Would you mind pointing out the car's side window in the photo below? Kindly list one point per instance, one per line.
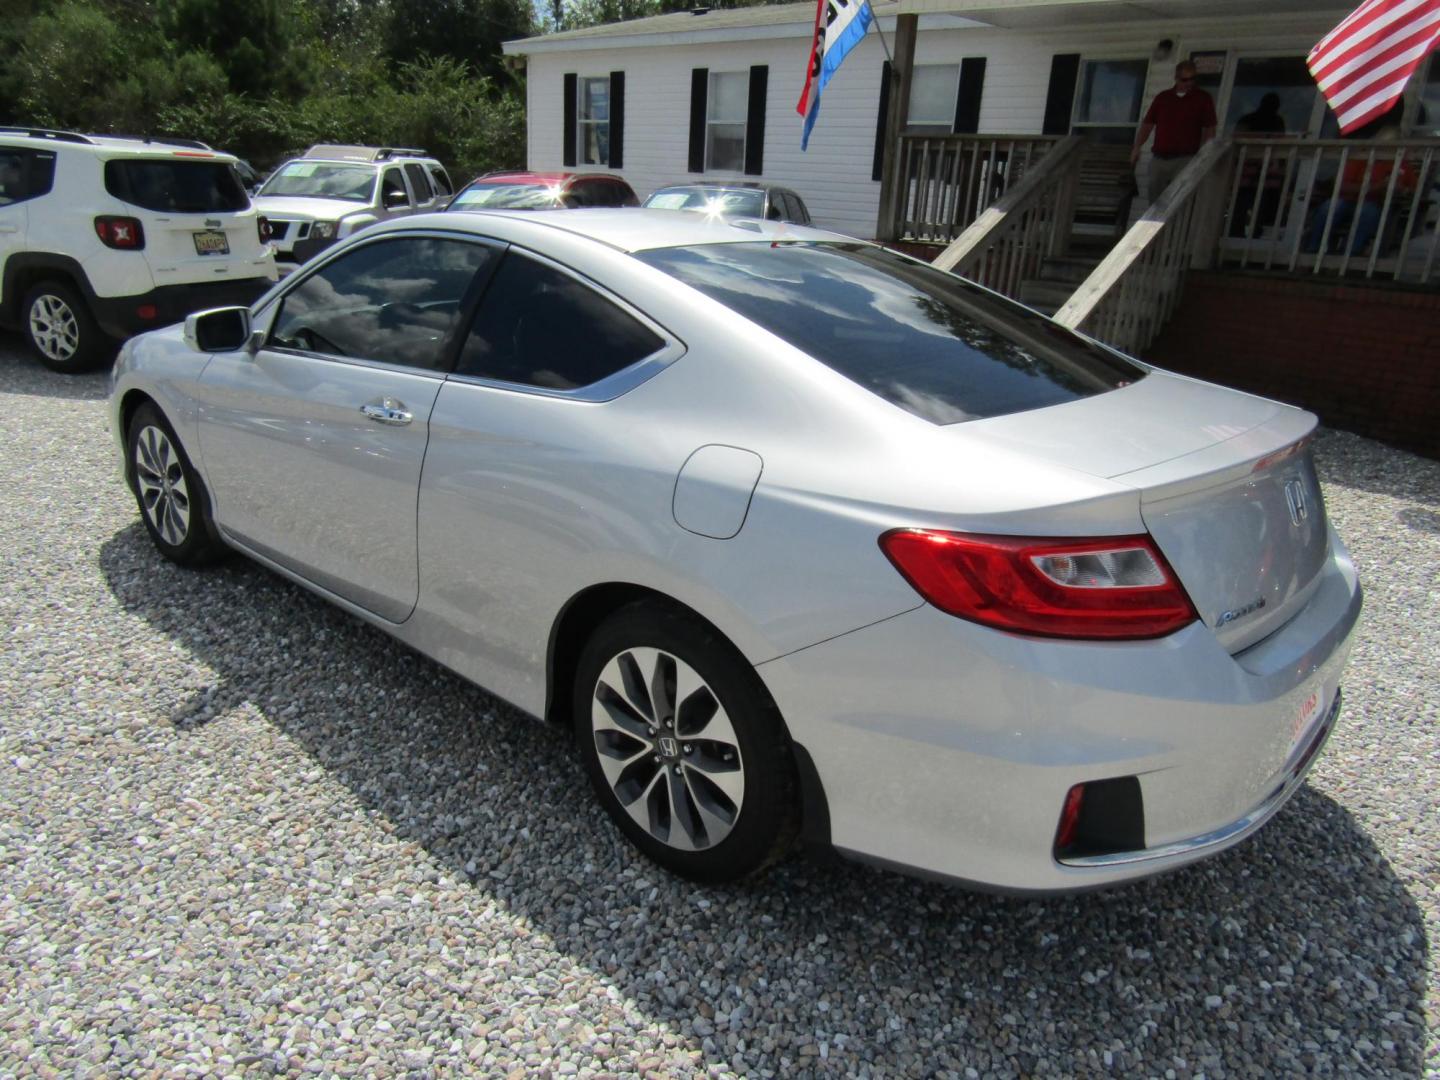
(539, 326)
(392, 181)
(440, 180)
(802, 214)
(25, 174)
(578, 195)
(419, 182)
(395, 301)
(777, 211)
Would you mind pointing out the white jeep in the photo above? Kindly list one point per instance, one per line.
(103, 236)
(333, 191)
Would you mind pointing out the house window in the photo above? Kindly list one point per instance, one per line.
(932, 98)
(728, 104)
(593, 120)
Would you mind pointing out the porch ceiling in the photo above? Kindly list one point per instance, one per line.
(1033, 14)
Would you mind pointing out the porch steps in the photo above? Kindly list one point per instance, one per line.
(1060, 277)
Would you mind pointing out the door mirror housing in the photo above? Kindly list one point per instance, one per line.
(218, 330)
(395, 199)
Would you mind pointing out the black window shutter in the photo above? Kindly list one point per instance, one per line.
(755, 120)
(571, 94)
(879, 165)
(699, 89)
(967, 100)
(1060, 98)
(617, 120)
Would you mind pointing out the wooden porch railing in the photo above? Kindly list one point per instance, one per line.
(1335, 207)
(1130, 296)
(946, 181)
(1008, 241)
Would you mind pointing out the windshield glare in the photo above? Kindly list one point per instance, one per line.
(719, 201)
(503, 196)
(936, 346)
(322, 180)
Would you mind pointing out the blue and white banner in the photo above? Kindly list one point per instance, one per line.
(839, 26)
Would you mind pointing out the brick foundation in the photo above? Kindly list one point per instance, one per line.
(1365, 358)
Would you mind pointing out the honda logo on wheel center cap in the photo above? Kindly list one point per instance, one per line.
(668, 746)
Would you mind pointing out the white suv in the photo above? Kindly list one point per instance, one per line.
(333, 191)
(103, 236)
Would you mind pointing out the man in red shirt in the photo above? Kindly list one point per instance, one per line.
(1182, 119)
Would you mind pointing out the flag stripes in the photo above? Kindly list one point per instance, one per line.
(1362, 65)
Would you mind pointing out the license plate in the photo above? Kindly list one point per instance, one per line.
(211, 243)
(1305, 713)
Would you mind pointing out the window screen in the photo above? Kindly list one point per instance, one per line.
(394, 301)
(921, 339)
(540, 327)
(727, 107)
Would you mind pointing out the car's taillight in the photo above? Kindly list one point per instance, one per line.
(125, 233)
(1110, 587)
(262, 223)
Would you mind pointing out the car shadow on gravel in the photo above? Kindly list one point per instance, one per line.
(1299, 950)
(22, 373)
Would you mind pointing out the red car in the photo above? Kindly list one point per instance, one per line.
(543, 191)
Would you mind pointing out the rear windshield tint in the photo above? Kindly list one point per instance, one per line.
(185, 187)
(924, 340)
(507, 196)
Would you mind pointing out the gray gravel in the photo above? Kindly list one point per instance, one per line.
(242, 833)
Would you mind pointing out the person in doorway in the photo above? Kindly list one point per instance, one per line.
(1182, 120)
(1264, 121)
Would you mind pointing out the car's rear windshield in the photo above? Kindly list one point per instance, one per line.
(726, 203)
(185, 187)
(506, 196)
(924, 340)
(322, 180)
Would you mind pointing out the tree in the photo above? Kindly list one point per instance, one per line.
(469, 31)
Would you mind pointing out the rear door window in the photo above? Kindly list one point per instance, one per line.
(419, 182)
(182, 187)
(924, 340)
(395, 301)
(25, 174)
(539, 326)
(440, 180)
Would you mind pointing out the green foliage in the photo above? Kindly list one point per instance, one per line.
(267, 78)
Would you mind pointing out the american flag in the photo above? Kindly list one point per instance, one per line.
(1363, 64)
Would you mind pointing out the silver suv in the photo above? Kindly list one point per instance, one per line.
(333, 191)
(102, 236)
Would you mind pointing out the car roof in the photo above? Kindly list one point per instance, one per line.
(626, 229)
(132, 145)
(720, 185)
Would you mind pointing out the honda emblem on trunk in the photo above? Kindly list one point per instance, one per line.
(1295, 499)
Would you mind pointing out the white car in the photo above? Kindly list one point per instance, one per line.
(798, 534)
(334, 191)
(102, 237)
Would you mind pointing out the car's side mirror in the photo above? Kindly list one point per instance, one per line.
(394, 199)
(218, 330)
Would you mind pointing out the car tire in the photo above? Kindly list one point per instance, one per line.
(61, 330)
(172, 499)
(706, 785)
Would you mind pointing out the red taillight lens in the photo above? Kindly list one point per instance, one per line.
(1070, 817)
(263, 224)
(125, 233)
(1111, 587)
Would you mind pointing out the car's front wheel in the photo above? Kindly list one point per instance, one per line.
(683, 746)
(61, 330)
(168, 491)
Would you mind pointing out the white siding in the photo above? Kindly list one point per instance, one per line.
(834, 175)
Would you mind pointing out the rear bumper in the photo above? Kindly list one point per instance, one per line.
(947, 749)
(122, 317)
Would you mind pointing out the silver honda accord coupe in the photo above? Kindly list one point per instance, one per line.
(804, 538)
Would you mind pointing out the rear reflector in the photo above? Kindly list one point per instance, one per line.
(124, 233)
(1070, 817)
(1114, 587)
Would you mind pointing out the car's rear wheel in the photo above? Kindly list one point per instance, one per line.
(683, 746)
(61, 330)
(168, 491)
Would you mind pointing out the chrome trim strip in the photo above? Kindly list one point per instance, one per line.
(1196, 845)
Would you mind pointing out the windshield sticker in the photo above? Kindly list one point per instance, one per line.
(668, 201)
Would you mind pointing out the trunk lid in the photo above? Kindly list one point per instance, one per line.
(187, 248)
(1227, 489)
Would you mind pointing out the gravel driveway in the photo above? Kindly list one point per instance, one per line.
(243, 833)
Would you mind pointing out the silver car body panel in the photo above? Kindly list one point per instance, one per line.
(942, 746)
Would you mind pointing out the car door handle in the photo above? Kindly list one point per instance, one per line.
(387, 411)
